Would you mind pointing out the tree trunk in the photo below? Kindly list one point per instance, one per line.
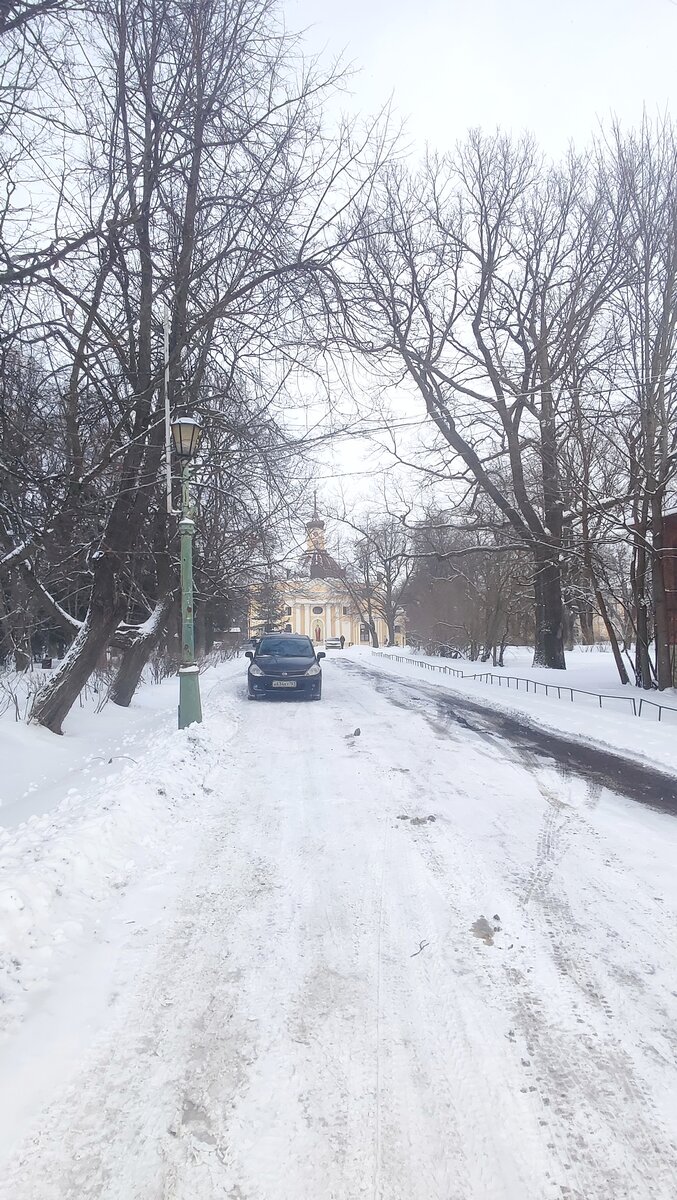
(104, 612)
(568, 624)
(22, 660)
(550, 616)
(136, 656)
(601, 605)
(643, 672)
(55, 700)
(130, 670)
(549, 639)
(613, 640)
(660, 603)
(374, 635)
(18, 628)
(604, 612)
(586, 616)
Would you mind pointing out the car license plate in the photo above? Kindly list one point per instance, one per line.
(284, 683)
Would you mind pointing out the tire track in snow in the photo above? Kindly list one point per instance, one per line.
(639, 781)
(593, 1048)
(423, 1148)
(488, 1100)
(449, 1028)
(422, 1153)
(603, 1066)
(379, 976)
(489, 1171)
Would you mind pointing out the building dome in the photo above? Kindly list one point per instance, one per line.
(317, 561)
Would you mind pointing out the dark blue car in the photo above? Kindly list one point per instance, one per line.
(284, 664)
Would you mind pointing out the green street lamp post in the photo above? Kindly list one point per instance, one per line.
(186, 434)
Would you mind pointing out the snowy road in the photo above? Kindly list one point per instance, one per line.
(600, 766)
(412, 964)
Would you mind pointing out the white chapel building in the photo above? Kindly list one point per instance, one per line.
(317, 603)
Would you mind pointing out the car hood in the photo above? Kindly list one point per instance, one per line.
(277, 664)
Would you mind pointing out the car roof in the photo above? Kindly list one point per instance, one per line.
(303, 636)
(284, 633)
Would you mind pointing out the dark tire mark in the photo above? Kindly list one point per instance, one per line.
(601, 768)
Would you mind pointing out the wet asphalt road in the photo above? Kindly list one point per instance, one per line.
(603, 768)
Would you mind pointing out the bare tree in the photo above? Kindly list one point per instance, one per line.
(481, 277)
(469, 592)
(224, 195)
(381, 567)
(640, 172)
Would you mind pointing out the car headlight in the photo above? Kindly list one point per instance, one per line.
(314, 670)
(254, 670)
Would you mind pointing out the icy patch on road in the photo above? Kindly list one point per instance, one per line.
(642, 738)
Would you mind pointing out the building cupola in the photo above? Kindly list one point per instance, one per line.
(315, 539)
(321, 565)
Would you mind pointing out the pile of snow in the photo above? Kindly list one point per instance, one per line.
(39, 769)
(100, 740)
(67, 868)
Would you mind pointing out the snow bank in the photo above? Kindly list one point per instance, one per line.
(63, 872)
(39, 769)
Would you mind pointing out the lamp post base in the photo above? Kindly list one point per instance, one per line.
(190, 706)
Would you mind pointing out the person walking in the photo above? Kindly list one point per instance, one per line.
(342, 641)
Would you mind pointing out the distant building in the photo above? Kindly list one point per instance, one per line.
(317, 602)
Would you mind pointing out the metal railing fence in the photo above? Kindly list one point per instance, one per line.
(563, 690)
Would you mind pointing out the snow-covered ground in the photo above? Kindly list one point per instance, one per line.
(590, 670)
(38, 769)
(277, 959)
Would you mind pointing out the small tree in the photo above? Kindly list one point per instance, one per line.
(267, 604)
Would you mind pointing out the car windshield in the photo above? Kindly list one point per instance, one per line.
(287, 647)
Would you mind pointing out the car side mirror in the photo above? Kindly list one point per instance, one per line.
(249, 654)
(320, 654)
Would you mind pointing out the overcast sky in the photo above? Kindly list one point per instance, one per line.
(554, 68)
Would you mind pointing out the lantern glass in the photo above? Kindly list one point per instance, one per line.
(186, 433)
